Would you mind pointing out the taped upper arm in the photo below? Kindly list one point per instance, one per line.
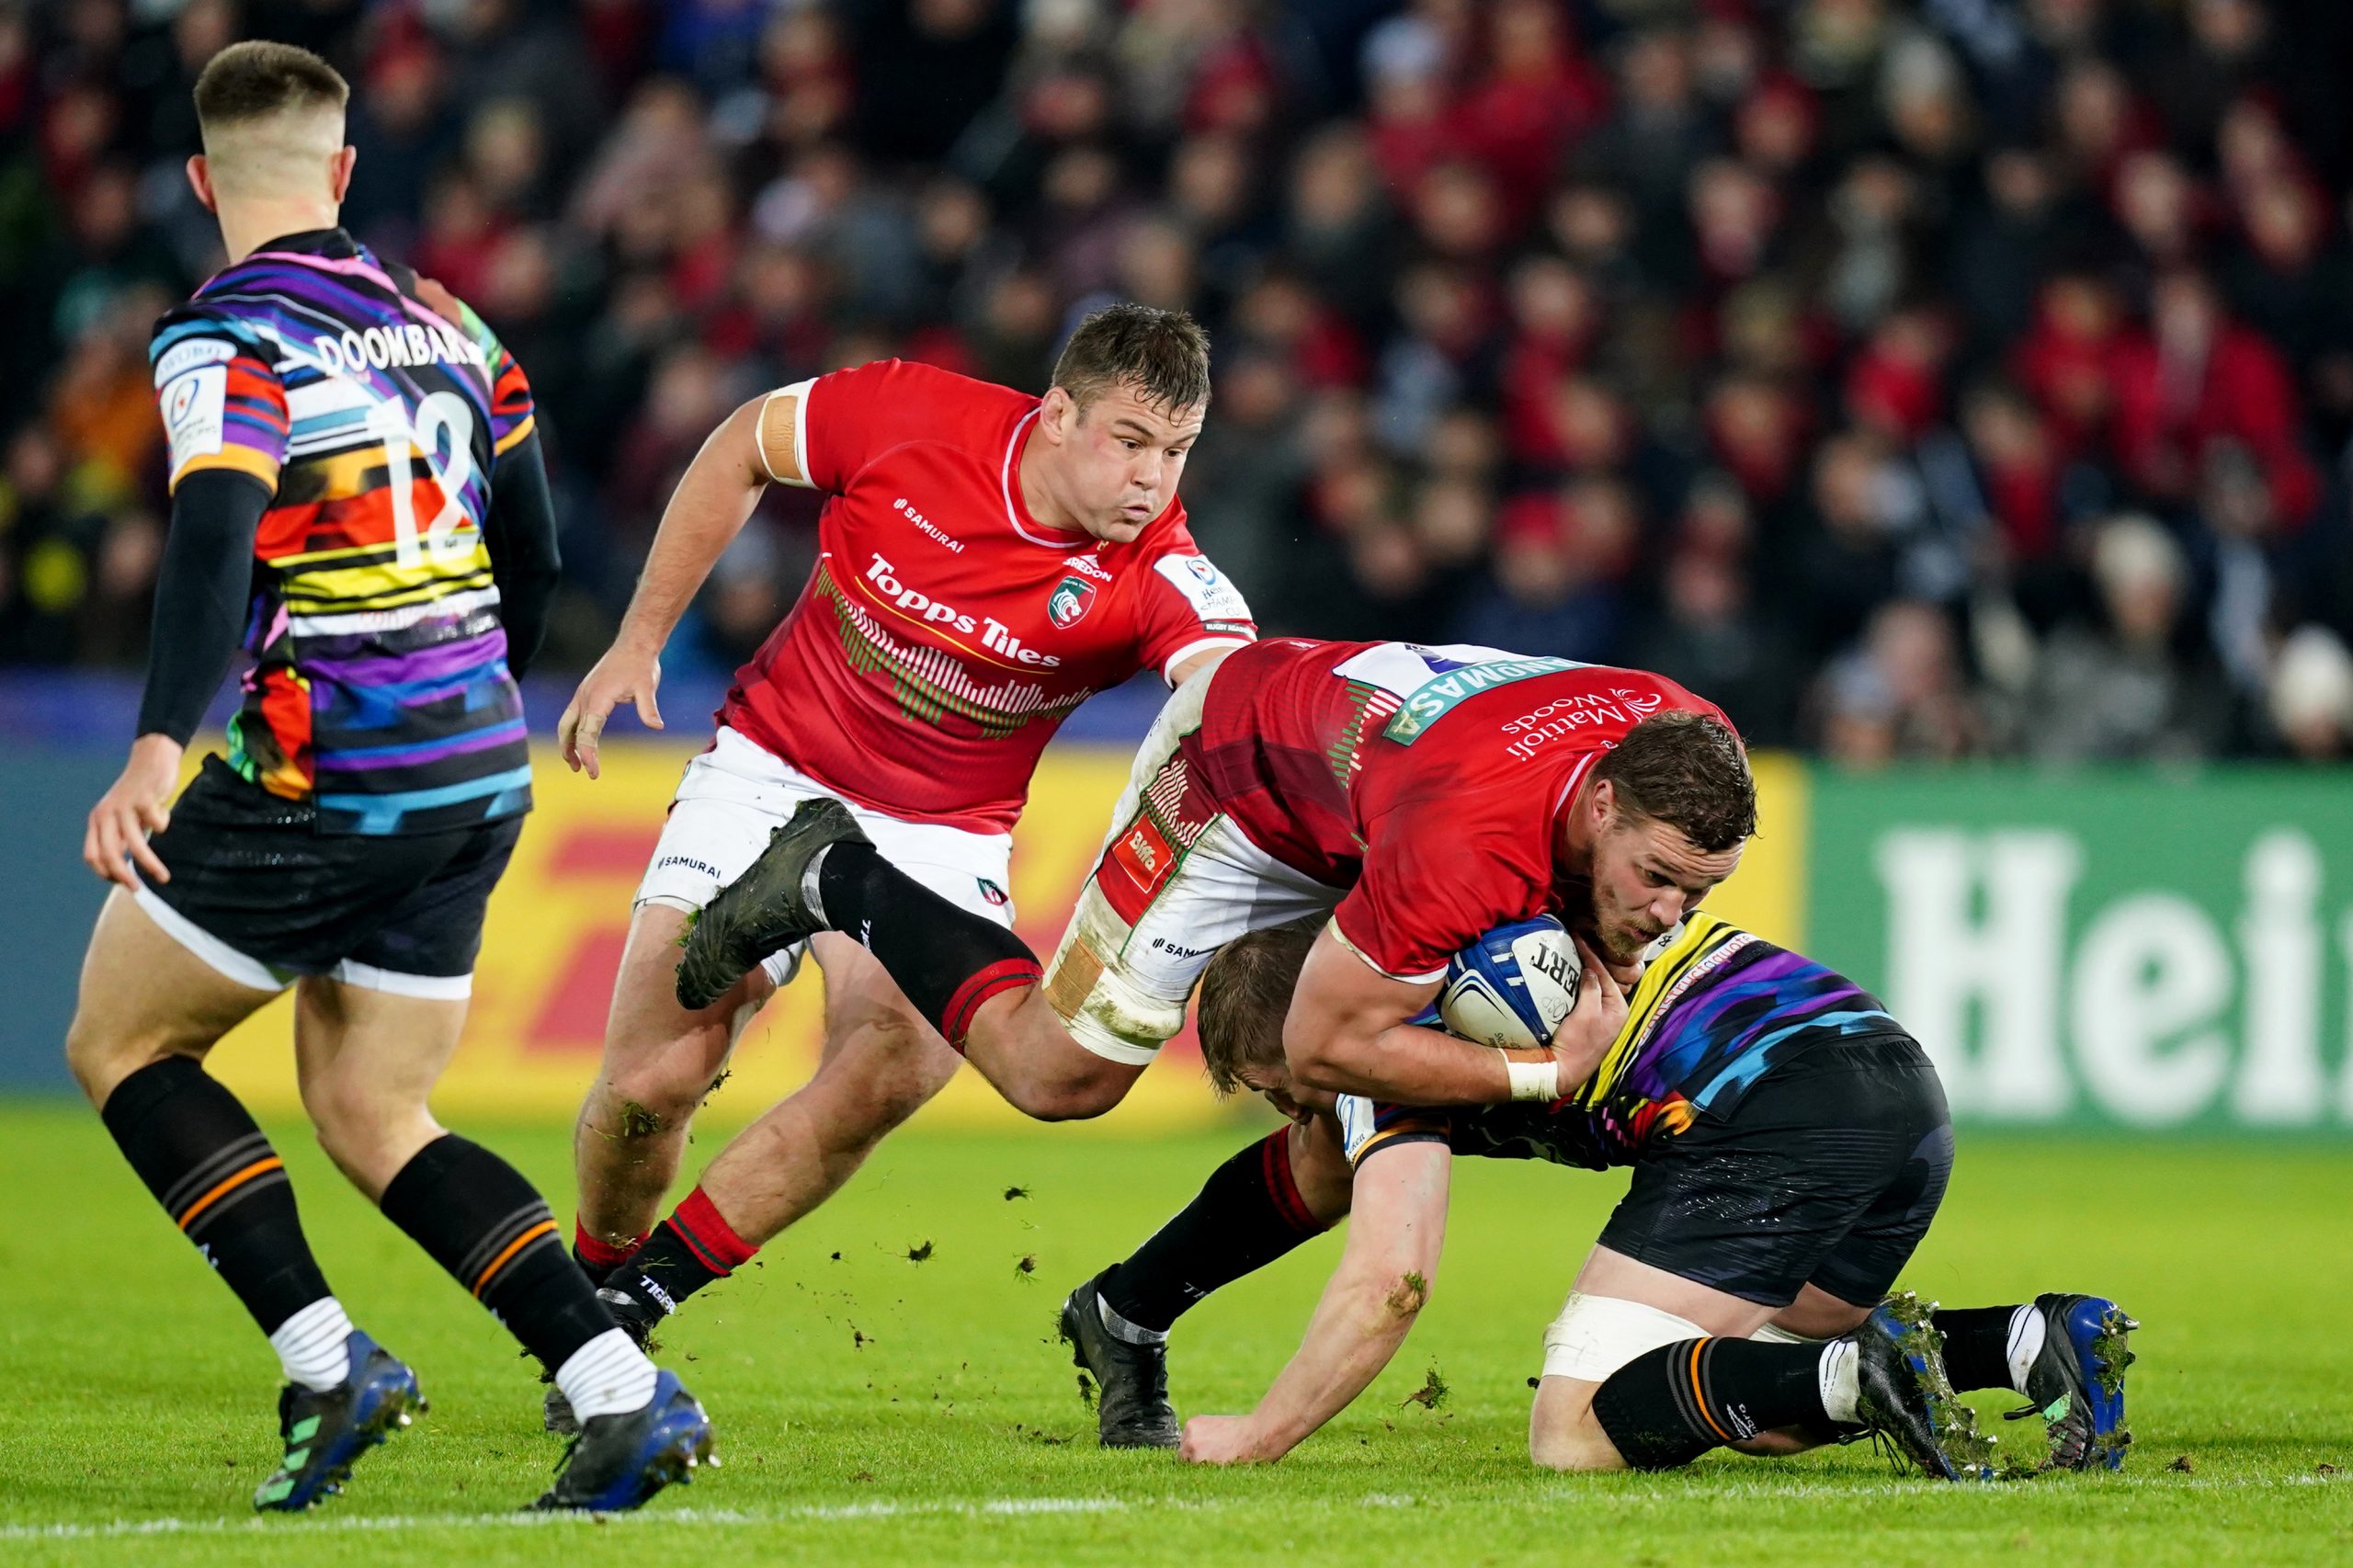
(780, 436)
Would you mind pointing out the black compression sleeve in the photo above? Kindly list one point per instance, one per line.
(521, 536)
(201, 594)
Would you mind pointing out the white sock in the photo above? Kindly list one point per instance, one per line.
(608, 1376)
(2027, 1330)
(309, 1345)
(1840, 1371)
(1134, 1333)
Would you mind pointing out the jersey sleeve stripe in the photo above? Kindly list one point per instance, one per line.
(1189, 648)
(515, 437)
(1437, 974)
(243, 459)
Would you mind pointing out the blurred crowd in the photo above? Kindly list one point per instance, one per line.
(1919, 380)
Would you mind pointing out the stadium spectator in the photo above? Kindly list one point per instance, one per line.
(1912, 291)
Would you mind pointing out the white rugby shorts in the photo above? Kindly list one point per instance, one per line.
(1175, 880)
(735, 795)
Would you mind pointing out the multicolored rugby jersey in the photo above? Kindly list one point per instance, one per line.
(1716, 1010)
(380, 690)
(946, 633)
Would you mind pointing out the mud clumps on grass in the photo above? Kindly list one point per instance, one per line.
(1025, 1268)
(1431, 1394)
(1013, 1192)
(919, 1253)
(1087, 1390)
(2181, 1463)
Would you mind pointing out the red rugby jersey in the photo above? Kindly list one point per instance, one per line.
(946, 633)
(1428, 781)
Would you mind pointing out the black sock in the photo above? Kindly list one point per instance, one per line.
(1977, 1345)
(1246, 1215)
(1668, 1406)
(946, 960)
(480, 1220)
(217, 1176)
(694, 1247)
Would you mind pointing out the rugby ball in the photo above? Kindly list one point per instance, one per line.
(1511, 988)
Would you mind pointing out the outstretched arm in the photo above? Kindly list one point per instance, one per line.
(714, 498)
(1395, 1234)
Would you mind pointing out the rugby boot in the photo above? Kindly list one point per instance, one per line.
(1131, 1408)
(635, 1318)
(616, 1462)
(326, 1430)
(764, 910)
(2077, 1383)
(1907, 1398)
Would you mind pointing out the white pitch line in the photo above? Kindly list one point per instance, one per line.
(819, 1512)
(997, 1507)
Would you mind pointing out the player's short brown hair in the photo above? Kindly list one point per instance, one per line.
(1689, 771)
(1164, 355)
(1246, 993)
(255, 79)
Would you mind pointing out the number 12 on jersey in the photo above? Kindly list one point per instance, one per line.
(450, 538)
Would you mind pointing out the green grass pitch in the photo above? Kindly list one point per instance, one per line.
(872, 1408)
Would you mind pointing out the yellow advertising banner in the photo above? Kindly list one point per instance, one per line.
(557, 921)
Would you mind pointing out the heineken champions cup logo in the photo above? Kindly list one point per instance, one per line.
(1069, 601)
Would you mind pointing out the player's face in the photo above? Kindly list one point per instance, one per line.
(1646, 877)
(1122, 459)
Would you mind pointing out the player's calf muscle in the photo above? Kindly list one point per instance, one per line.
(1019, 1043)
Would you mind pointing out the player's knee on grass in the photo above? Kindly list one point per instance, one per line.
(1561, 1432)
(1592, 1339)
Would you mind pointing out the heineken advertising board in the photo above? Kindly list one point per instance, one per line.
(2115, 948)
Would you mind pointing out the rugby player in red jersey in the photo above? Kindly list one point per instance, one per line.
(988, 561)
(1421, 795)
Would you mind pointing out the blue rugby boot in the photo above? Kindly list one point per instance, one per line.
(325, 1431)
(618, 1461)
(1907, 1398)
(2076, 1382)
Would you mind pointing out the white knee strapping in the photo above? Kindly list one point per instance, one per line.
(1774, 1334)
(1594, 1336)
